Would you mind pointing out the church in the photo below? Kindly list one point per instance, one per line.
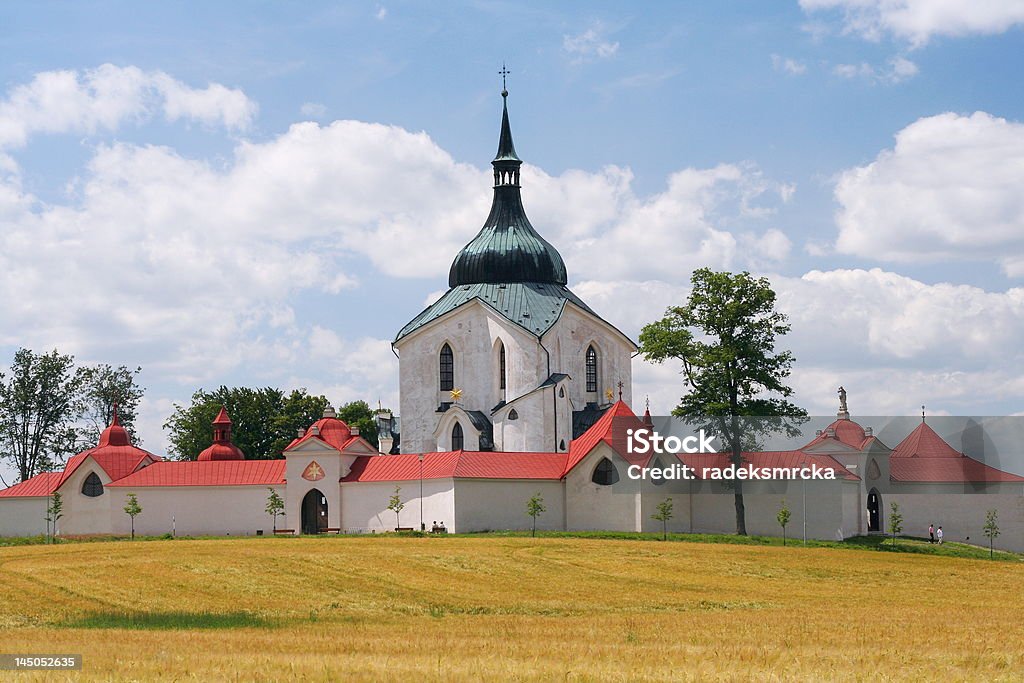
(512, 387)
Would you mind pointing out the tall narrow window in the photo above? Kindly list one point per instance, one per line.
(591, 369)
(92, 486)
(447, 372)
(458, 441)
(501, 366)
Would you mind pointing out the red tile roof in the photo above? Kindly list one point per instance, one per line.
(116, 461)
(923, 456)
(923, 442)
(785, 459)
(207, 473)
(847, 432)
(459, 465)
(40, 485)
(962, 469)
(611, 429)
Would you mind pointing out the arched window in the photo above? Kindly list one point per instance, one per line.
(501, 366)
(447, 368)
(561, 445)
(92, 486)
(605, 473)
(591, 369)
(513, 414)
(657, 465)
(458, 441)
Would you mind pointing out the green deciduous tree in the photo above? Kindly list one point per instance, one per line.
(663, 515)
(40, 403)
(396, 505)
(725, 337)
(991, 530)
(104, 387)
(783, 519)
(535, 508)
(133, 510)
(264, 421)
(895, 521)
(275, 505)
(54, 511)
(358, 414)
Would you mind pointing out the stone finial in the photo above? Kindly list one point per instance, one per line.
(329, 411)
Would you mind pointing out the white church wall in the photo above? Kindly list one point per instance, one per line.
(471, 331)
(590, 506)
(196, 510)
(24, 516)
(570, 337)
(364, 505)
(83, 514)
(500, 504)
(532, 431)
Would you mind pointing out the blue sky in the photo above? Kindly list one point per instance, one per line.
(265, 197)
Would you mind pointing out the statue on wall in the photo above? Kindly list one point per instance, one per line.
(842, 401)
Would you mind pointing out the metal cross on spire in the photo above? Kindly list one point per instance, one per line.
(620, 389)
(503, 73)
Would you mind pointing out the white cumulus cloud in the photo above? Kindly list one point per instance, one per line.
(917, 21)
(109, 96)
(949, 189)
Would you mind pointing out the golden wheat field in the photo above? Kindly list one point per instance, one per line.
(377, 608)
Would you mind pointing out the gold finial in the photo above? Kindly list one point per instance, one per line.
(456, 394)
(609, 394)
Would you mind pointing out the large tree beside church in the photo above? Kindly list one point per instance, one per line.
(725, 338)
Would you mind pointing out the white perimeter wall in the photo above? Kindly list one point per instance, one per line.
(499, 504)
(195, 510)
(24, 516)
(961, 514)
(364, 505)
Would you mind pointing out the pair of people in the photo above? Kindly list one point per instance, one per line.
(934, 535)
(438, 528)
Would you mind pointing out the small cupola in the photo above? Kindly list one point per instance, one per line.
(222, 447)
(115, 434)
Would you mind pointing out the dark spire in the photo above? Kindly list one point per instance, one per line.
(507, 249)
(506, 148)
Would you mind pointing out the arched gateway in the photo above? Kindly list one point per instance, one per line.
(874, 511)
(314, 512)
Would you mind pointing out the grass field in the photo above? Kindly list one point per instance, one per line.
(496, 607)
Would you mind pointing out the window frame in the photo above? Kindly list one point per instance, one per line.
(446, 368)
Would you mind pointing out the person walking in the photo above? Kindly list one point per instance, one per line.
(931, 533)
(939, 535)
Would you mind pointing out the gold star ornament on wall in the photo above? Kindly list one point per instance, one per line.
(456, 394)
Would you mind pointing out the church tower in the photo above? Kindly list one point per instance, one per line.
(509, 359)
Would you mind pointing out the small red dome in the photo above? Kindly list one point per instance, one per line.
(115, 434)
(222, 451)
(222, 448)
(331, 429)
